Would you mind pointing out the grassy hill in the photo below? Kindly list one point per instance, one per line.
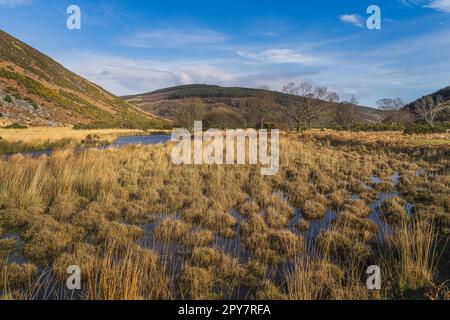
(237, 104)
(37, 91)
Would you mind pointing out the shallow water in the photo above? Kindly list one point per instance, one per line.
(173, 255)
(395, 178)
(315, 226)
(143, 140)
(120, 142)
(375, 180)
(16, 256)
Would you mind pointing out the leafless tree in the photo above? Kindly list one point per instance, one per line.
(191, 110)
(345, 115)
(310, 108)
(392, 108)
(353, 100)
(427, 109)
(261, 108)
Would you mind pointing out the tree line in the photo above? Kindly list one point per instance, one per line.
(303, 105)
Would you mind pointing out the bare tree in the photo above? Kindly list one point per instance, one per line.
(310, 108)
(353, 100)
(191, 110)
(261, 108)
(345, 115)
(427, 109)
(392, 108)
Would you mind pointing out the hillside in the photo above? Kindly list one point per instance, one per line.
(37, 91)
(236, 105)
(444, 94)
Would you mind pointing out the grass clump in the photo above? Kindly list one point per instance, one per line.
(7, 246)
(303, 225)
(314, 209)
(394, 211)
(358, 208)
(130, 273)
(17, 276)
(182, 233)
(197, 284)
(410, 254)
(313, 279)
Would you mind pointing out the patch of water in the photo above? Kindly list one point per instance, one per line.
(315, 226)
(141, 140)
(171, 254)
(16, 256)
(355, 197)
(281, 195)
(395, 178)
(120, 142)
(233, 246)
(375, 216)
(420, 172)
(375, 180)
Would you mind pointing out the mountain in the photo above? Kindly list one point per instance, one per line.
(37, 91)
(236, 105)
(444, 96)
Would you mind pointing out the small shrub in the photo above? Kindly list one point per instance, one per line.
(7, 99)
(16, 126)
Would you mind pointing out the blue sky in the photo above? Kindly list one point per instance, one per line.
(139, 46)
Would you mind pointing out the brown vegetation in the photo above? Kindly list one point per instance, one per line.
(142, 228)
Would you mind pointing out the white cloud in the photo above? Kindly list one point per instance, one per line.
(441, 5)
(411, 2)
(394, 69)
(168, 38)
(13, 3)
(354, 19)
(280, 56)
(125, 76)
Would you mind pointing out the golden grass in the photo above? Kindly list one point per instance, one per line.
(39, 135)
(411, 255)
(224, 232)
(130, 274)
(385, 138)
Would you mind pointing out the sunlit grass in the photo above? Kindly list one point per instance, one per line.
(142, 228)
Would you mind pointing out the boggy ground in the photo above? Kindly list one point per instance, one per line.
(44, 139)
(142, 228)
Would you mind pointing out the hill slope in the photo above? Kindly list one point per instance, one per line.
(444, 94)
(37, 91)
(237, 104)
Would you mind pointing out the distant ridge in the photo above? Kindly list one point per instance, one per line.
(232, 101)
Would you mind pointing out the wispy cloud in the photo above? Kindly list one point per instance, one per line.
(411, 2)
(368, 66)
(168, 38)
(124, 76)
(14, 3)
(280, 56)
(440, 5)
(354, 19)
